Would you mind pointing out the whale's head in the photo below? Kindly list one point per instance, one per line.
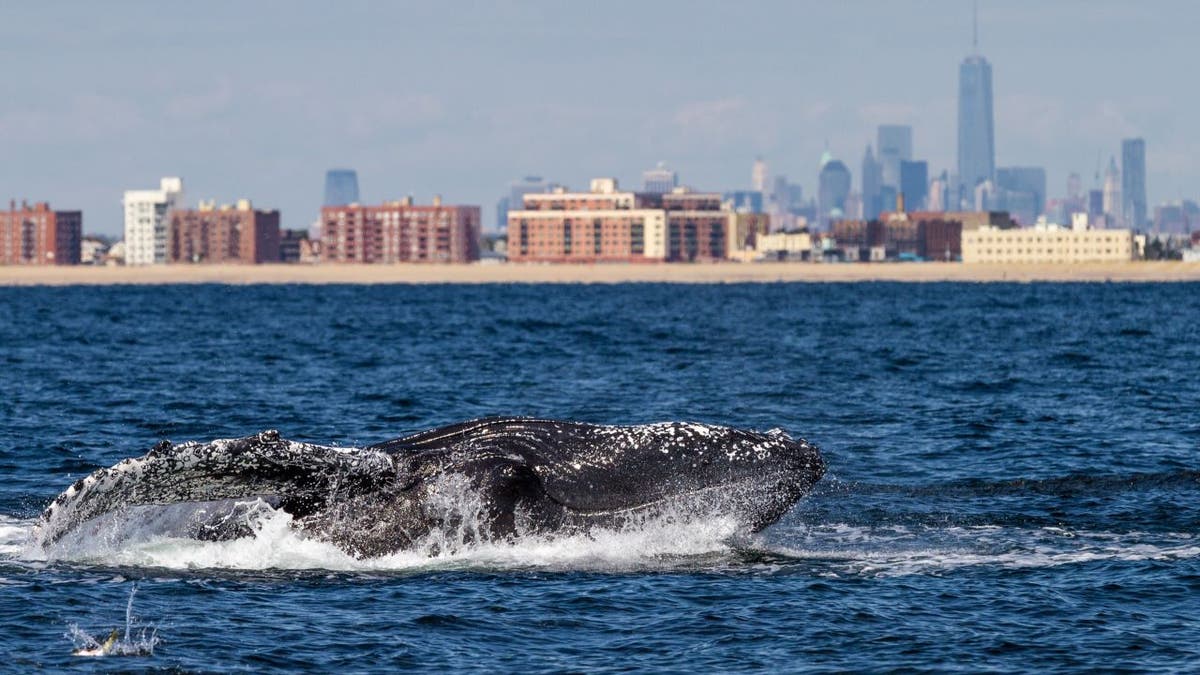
(591, 473)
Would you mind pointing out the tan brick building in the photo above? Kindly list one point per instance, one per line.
(36, 235)
(223, 235)
(400, 231)
(1047, 245)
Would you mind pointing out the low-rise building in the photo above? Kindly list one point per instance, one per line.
(93, 251)
(36, 235)
(291, 245)
(227, 234)
(785, 246)
(400, 231)
(1047, 244)
(971, 220)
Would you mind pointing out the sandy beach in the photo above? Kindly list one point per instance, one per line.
(482, 273)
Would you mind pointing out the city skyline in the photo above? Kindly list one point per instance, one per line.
(265, 118)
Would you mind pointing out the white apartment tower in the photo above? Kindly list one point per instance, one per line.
(147, 215)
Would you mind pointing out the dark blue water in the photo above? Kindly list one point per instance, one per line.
(1013, 476)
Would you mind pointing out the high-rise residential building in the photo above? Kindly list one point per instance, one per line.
(37, 235)
(914, 184)
(976, 136)
(147, 214)
(1133, 181)
(895, 146)
(229, 234)
(400, 231)
(660, 179)
(698, 227)
(833, 188)
(608, 224)
(872, 180)
(1112, 194)
(759, 175)
(341, 187)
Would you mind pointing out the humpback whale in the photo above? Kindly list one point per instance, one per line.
(496, 478)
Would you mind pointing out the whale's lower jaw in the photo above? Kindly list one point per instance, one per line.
(754, 503)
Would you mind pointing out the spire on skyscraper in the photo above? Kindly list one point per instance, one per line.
(975, 28)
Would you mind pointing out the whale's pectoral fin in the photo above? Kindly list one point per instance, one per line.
(295, 477)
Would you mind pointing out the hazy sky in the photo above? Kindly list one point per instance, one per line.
(258, 99)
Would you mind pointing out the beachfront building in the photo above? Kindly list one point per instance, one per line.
(744, 230)
(607, 224)
(784, 245)
(698, 226)
(1047, 244)
(229, 234)
(147, 219)
(400, 231)
(36, 235)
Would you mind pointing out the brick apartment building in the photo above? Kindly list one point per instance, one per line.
(900, 235)
(36, 235)
(609, 225)
(223, 235)
(400, 231)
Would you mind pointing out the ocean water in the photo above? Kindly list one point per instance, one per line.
(1013, 475)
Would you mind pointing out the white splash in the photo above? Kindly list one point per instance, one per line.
(138, 639)
(661, 541)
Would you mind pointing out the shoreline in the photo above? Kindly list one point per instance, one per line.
(568, 273)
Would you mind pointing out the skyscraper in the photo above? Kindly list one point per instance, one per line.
(914, 184)
(758, 175)
(1133, 181)
(976, 138)
(871, 182)
(341, 187)
(1074, 186)
(1112, 194)
(895, 146)
(833, 187)
(501, 214)
(659, 180)
(938, 188)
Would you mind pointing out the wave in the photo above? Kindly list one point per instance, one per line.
(1069, 485)
(658, 545)
(852, 550)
